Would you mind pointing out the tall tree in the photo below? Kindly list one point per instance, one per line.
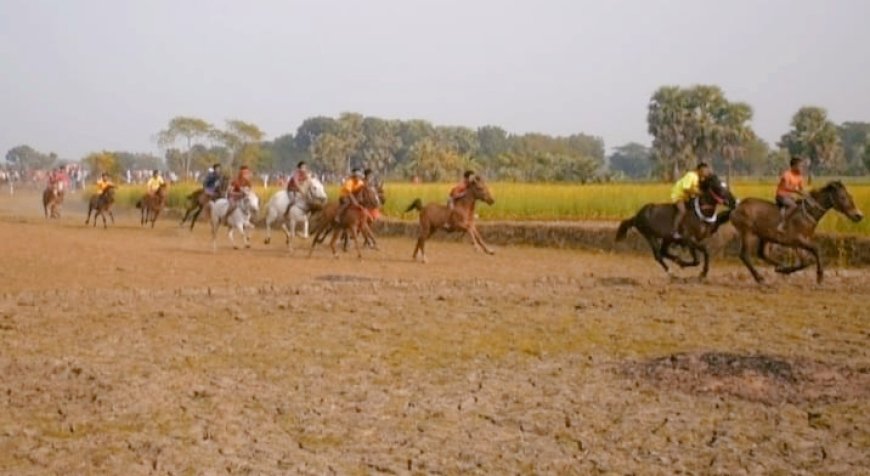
(350, 133)
(102, 162)
(814, 137)
(734, 133)
(855, 137)
(667, 120)
(381, 143)
(242, 139)
(188, 129)
(24, 157)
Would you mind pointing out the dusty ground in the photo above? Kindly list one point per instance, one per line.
(130, 351)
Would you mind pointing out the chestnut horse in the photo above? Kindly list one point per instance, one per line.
(655, 221)
(757, 220)
(354, 221)
(101, 204)
(198, 199)
(52, 199)
(435, 216)
(151, 205)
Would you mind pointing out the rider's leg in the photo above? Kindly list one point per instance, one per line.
(342, 206)
(787, 208)
(678, 218)
(292, 196)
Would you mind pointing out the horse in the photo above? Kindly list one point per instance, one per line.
(247, 207)
(436, 216)
(198, 200)
(52, 199)
(101, 204)
(354, 221)
(655, 222)
(757, 219)
(151, 205)
(326, 220)
(311, 196)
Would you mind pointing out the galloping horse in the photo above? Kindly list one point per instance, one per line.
(151, 205)
(198, 200)
(52, 199)
(326, 219)
(435, 216)
(757, 219)
(656, 221)
(311, 196)
(240, 219)
(101, 204)
(354, 221)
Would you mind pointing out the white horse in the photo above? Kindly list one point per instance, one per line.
(312, 193)
(240, 219)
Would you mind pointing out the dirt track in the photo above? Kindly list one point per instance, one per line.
(130, 351)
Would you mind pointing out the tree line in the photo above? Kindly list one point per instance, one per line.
(687, 125)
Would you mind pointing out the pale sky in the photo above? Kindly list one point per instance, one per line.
(78, 76)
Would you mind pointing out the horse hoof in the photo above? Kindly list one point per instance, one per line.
(267, 241)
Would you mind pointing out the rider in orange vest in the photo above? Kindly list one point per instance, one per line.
(791, 186)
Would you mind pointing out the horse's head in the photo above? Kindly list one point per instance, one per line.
(718, 191)
(841, 200)
(109, 192)
(314, 191)
(479, 190)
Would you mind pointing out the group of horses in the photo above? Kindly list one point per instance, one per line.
(755, 220)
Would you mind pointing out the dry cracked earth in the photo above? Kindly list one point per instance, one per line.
(138, 351)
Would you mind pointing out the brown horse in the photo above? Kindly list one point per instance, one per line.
(757, 220)
(655, 221)
(101, 204)
(326, 220)
(198, 199)
(151, 205)
(354, 220)
(435, 216)
(52, 199)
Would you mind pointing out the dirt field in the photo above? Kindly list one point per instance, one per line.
(131, 351)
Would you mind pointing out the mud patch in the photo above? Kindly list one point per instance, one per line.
(761, 378)
(343, 278)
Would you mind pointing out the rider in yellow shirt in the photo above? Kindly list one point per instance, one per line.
(104, 183)
(349, 189)
(687, 188)
(154, 183)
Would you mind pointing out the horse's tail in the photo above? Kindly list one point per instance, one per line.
(417, 204)
(623, 228)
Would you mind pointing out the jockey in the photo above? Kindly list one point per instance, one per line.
(790, 187)
(104, 183)
(238, 188)
(459, 190)
(212, 181)
(299, 177)
(349, 189)
(686, 189)
(58, 179)
(154, 183)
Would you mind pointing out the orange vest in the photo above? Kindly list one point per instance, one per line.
(788, 183)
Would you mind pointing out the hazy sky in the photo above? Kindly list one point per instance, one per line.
(78, 76)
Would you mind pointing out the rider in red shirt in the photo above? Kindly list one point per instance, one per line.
(238, 188)
(299, 177)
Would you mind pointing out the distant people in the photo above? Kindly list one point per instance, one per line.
(789, 189)
(687, 188)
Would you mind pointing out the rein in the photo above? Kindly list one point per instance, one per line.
(812, 202)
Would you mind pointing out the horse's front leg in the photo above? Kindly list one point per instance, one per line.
(305, 227)
(475, 236)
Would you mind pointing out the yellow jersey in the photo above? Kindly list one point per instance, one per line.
(352, 186)
(686, 188)
(154, 183)
(102, 185)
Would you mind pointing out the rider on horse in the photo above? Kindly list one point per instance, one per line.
(686, 189)
(239, 187)
(104, 183)
(790, 187)
(299, 177)
(349, 189)
(154, 183)
(57, 180)
(212, 182)
(457, 192)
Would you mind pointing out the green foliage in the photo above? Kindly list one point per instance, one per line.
(855, 138)
(633, 160)
(24, 157)
(695, 124)
(102, 162)
(815, 138)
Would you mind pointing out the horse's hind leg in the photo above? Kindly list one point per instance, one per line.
(654, 246)
(762, 254)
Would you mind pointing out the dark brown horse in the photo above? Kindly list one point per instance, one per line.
(101, 204)
(152, 205)
(436, 216)
(52, 199)
(326, 220)
(655, 221)
(756, 222)
(198, 199)
(354, 221)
